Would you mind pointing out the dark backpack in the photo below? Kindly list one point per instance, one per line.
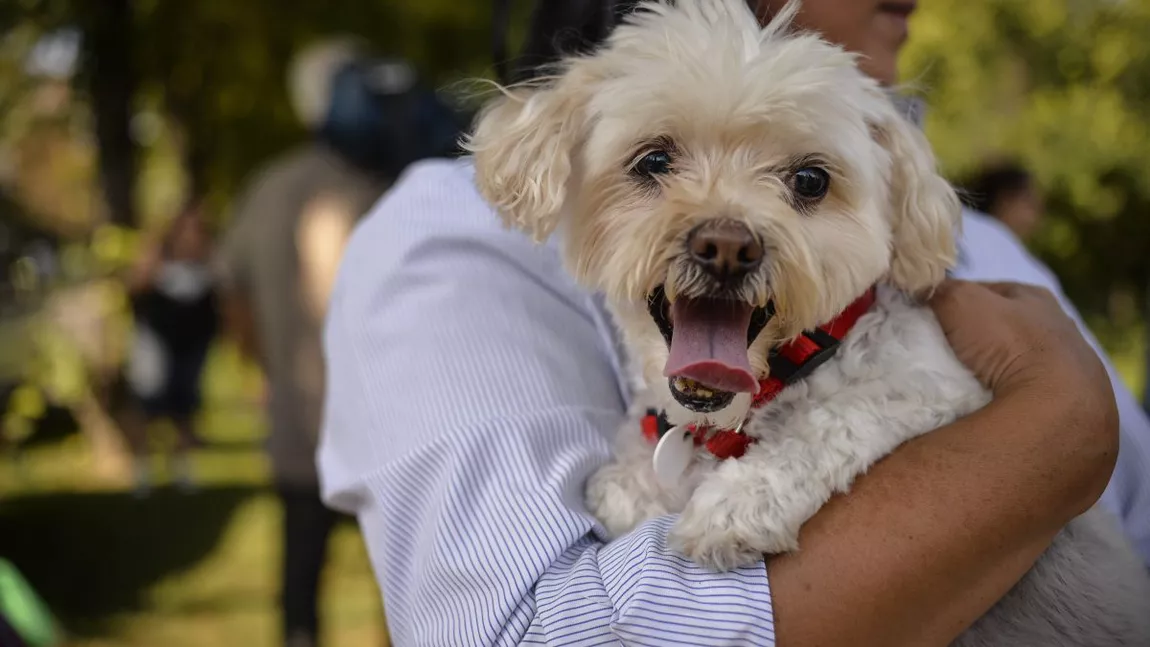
(383, 118)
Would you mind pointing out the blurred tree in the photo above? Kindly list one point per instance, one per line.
(202, 82)
(1065, 86)
(216, 69)
(219, 67)
(1062, 84)
(108, 73)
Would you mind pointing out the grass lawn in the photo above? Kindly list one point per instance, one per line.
(174, 570)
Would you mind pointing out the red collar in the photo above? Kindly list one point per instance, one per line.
(789, 363)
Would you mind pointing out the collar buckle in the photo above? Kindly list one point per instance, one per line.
(788, 372)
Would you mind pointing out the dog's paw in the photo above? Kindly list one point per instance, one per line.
(725, 533)
(621, 499)
(720, 552)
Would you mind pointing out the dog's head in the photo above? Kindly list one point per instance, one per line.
(708, 172)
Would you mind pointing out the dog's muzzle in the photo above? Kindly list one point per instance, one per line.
(707, 339)
(725, 250)
(712, 321)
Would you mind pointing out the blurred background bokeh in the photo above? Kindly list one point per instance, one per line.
(116, 113)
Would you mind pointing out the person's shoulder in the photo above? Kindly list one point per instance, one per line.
(268, 187)
(989, 251)
(989, 233)
(435, 192)
(432, 199)
(435, 207)
(284, 168)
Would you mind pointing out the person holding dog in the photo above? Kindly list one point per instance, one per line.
(473, 388)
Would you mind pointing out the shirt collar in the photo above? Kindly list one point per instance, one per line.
(913, 108)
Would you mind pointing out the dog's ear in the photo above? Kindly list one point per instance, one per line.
(925, 211)
(523, 144)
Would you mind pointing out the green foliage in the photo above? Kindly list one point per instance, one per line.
(1063, 85)
(219, 67)
(212, 74)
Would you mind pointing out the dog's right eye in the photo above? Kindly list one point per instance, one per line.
(811, 183)
(653, 163)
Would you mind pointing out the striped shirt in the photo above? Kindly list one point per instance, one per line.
(473, 388)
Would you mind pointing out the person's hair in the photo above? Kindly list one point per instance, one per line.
(993, 182)
(563, 27)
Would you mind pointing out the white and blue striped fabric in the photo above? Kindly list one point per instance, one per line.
(471, 390)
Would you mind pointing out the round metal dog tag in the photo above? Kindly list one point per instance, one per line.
(673, 455)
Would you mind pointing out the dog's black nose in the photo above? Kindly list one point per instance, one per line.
(725, 249)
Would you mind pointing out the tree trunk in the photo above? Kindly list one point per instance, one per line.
(111, 84)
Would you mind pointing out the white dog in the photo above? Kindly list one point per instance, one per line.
(761, 218)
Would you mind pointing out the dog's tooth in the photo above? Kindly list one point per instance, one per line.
(669, 291)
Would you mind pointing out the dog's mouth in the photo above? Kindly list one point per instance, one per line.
(708, 340)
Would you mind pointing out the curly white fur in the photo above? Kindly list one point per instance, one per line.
(736, 104)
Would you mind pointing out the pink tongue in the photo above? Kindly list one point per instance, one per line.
(709, 344)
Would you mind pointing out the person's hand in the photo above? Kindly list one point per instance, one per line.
(1054, 410)
(147, 264)
(1017, 338)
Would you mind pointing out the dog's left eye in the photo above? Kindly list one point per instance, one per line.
(811, 183)
(654, 163)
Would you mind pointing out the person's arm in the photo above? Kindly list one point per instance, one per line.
(993, 253)
(935, 534)
(142, 273)
(231, 271)
(238, 323)
(470, 396)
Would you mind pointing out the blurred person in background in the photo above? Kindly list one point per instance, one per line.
(1006, 191)
(474, 387)
(175, 312)
(368, 118)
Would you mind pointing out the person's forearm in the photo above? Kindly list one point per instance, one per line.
(142, 272)
(139, 278)
(935, 534)
(239, 325)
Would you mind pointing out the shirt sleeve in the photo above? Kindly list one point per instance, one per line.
(471, 391)
(992, 253)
